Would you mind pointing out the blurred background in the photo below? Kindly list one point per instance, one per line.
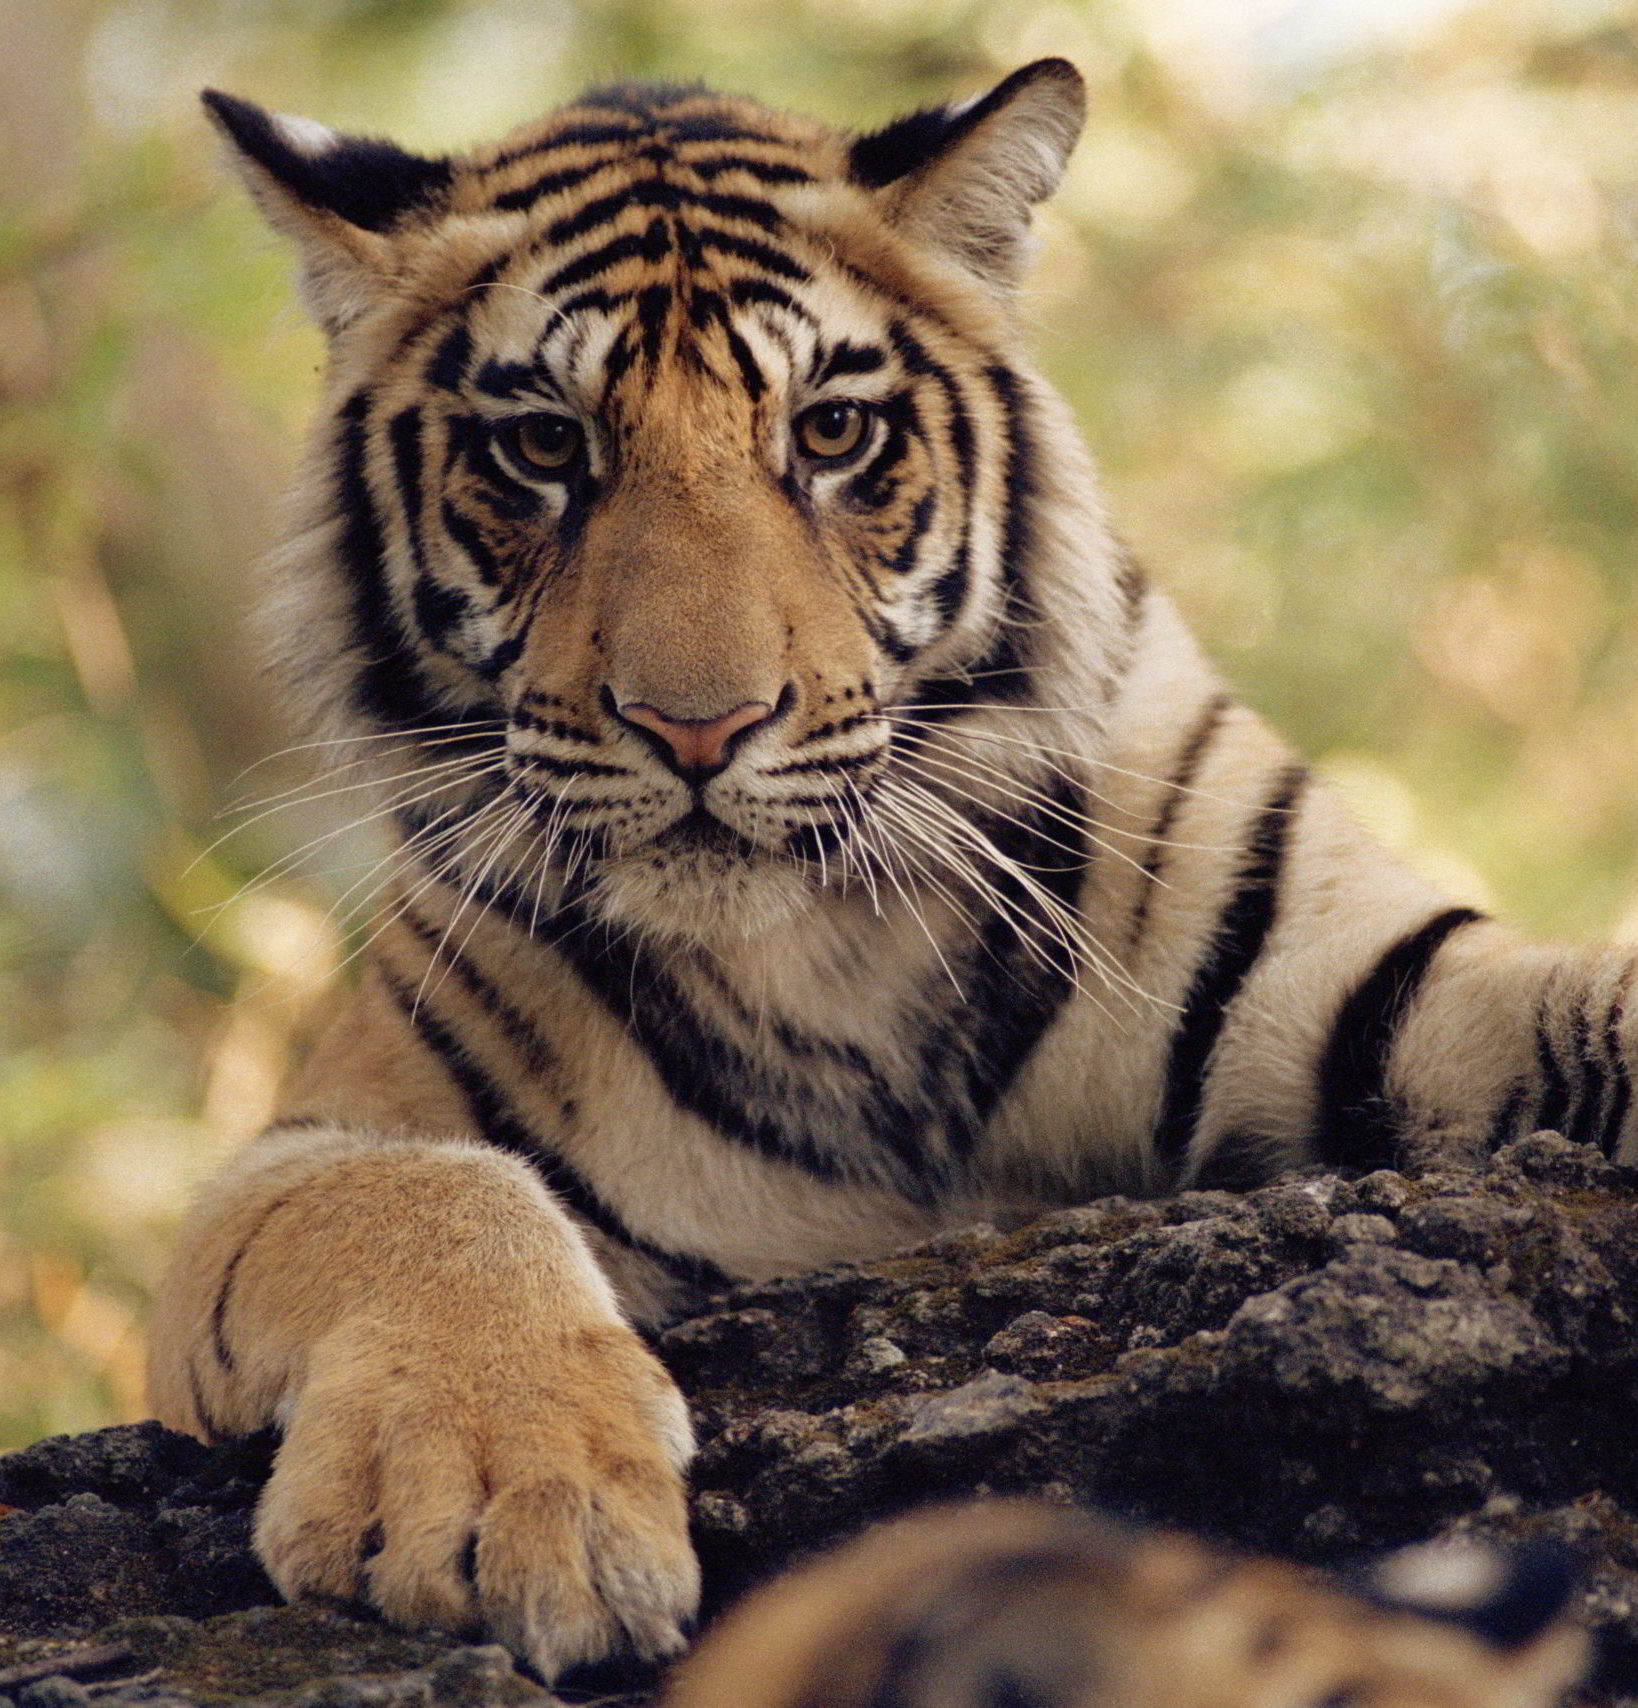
(1344, 292)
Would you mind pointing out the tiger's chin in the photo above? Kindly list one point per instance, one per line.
(701, 897)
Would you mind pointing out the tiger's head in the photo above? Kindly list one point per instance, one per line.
(677, 476)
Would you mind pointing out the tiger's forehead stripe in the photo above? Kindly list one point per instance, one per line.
(707, 137)
(673, 153)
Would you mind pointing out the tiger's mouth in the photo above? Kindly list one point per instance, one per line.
(698, 882)
(701, 833)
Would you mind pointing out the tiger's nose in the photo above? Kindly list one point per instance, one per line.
(695, 748)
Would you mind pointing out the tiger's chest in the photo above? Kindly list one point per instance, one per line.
(877, 1075)
(849, 1094)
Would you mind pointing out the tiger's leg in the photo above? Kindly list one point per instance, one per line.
(1512, 1036)
(1436, 1040)
(472, 1434)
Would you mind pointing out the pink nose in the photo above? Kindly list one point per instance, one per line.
(698, 747)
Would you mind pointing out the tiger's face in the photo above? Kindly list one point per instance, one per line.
(669, 467)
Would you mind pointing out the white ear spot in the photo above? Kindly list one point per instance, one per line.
(1442, 1576)
(306, 136)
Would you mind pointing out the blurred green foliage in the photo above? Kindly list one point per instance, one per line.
(1347, 310)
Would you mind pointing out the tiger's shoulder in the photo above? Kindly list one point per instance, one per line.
(1003, 1604)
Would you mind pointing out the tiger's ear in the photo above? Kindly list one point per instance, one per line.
(964, 178)
(336, 198)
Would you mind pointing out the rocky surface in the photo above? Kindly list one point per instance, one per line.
(1321, 1367)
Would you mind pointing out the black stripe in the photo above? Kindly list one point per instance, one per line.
(230, 1274)
(875, 484)
(1184, 773)
(1586, 1119)
(836, 726)
(1504, 1128)
(903, 558)
(835, 763)
(1555, 1090)
(886, 635)
(552, 726)
(547, 184)
(764, 171)
(1239, 1161)
(390, 687)
(580, 135)
(917, 359)
(745, 361)
(744, 292)
(469, 537)
(705, 307)
(404, 435)
(605, 302)
(438, 607)
(657, 193)
(1005, 668)
(752, 209)
(1017, 533)
(707, 129)
(1355, 1125)
(705, 1073)
(1019, 984)
(1615, 1117)
(506, 380)
(500, 1125)
(651, 193)
(846, 358)
(1239, 937)
(648, 245)
(749, 249)
(550, 183)
(810, 1102)
(570, 767)
(501, 656)
(196, 1393)
(532, 1045)
(447, 368)
(617, 363)
(950, 590)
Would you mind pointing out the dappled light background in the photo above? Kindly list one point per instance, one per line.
(1342, 290)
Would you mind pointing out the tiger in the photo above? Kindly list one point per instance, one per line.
(1016, 1604)
(811, 830)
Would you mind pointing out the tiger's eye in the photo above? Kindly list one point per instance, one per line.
(548, 444)
(832, 430)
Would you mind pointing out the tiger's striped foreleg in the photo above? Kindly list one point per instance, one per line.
(1436, 1043)
(1512, 1036)
(472, 1435)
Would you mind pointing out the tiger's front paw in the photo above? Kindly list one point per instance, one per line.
(534, 1492)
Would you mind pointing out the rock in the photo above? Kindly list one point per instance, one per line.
(973, 1414)
(1323, 1366)
(55, 1692)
